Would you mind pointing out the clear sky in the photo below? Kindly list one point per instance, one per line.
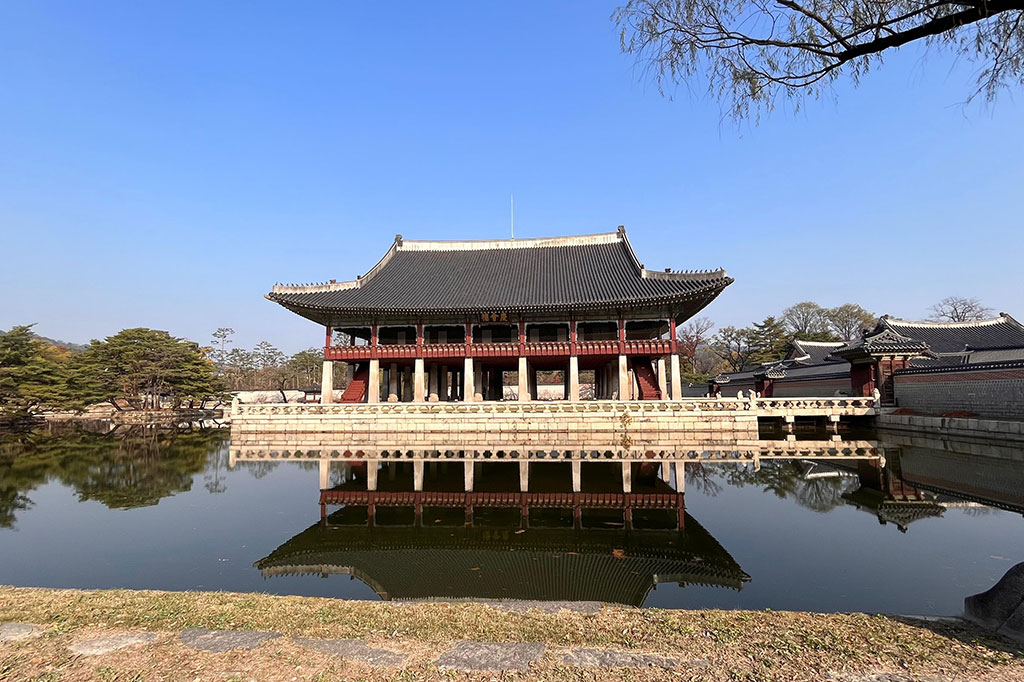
(163, 164)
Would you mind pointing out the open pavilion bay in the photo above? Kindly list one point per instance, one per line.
(876, 522)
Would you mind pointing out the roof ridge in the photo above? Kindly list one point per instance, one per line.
(820, 343)
(1002, 317)
(495, 244)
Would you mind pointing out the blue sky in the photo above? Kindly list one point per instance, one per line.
(163, 164)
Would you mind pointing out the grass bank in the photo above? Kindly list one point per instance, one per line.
(734, 645)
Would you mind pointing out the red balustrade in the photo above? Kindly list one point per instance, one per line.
(546, 349)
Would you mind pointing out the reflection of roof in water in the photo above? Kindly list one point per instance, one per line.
(561, 564)
(900, 513)
(993, 481)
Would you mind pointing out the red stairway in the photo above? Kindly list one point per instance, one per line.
(647, 380)
(355, 392)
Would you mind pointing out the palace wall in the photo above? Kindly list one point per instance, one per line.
(995, 390)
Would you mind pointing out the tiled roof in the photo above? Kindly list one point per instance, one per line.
(566, 273)
(883, 340)
(951, 337)
(814, 352)
(892, 335)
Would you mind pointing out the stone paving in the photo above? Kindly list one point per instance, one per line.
(355, 649)
(104, 645)
(491, 656)
(16, 632)
(225, 640)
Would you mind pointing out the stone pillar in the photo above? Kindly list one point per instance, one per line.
(677, 381)
(417, 381)
(576, 476)
(467, 468)
(327, 383)
(680, 476)
(417, 475)
(524, 380)
(371, 474)
(325, 474)
(468, 380)
(574, 378)
(373, 382)
(393, 383)
(434, 390)
(627, 476)
(662, 378)
(666, 472)
(524, 475)
(407, 385)
(479, 387)
(624, 381)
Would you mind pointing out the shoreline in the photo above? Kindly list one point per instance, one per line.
(299, 636)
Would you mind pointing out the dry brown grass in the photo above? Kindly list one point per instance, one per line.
(737, 645)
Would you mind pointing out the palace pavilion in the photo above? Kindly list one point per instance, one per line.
(478, 320)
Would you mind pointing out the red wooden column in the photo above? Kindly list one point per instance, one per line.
(674, 344)
(622, 336)
(327, 339)
(572, 337)
(522, 337)
(373, 342)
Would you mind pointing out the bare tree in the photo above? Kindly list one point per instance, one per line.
(691, 338)
(849, 320)
(806, 320)
(734, 347)
(750, 53)
(959, 309)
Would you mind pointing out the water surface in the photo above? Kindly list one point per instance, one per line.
(152, 509)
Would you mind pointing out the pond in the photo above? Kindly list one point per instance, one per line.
(172, 510)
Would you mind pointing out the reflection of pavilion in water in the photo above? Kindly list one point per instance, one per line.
(494, 542)
(922, 477)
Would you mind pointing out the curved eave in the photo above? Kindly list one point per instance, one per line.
(709, 291)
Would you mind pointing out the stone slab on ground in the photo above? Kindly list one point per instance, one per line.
(613, 658)
(355, 649)
(104, 645)
(1002, 607)
(16, 632)
(491, 656)
(225, 640)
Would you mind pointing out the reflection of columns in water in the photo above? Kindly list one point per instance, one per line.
(371, 474)
(325, 474)
(575, 475)
(627, 476)
(524, 475)
(666, 475)
(680, 468)
(417, 475)
(467, 468)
